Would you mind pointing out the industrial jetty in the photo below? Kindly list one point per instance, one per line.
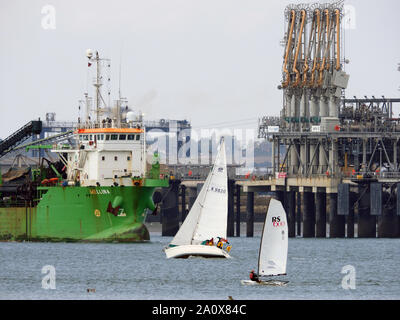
(334, 160)
(99, 190)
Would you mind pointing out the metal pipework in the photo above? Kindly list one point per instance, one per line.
(337, 13)
(317, 53)
(312, 43)
(308, 53)
(303, 18)
(289, 44)
(328, 29)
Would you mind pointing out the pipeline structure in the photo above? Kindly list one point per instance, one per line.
(335, 160)
(340, 173)
(313, 76)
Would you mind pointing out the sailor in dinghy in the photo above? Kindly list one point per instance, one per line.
(272, 256)
(207, 219)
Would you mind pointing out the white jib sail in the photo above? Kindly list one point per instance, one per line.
(274, 241)
(208, 216)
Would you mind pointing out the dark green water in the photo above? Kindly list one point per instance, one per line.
(141, 271)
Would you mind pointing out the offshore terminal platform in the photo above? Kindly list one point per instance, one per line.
(335, 161)
(340, 166)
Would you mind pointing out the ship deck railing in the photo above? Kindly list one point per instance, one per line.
(105, 125)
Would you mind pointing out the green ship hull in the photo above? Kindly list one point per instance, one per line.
(87, 214)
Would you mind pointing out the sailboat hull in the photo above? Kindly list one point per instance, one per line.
(275, 283)
(185, 251)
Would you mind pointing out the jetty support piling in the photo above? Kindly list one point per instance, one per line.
(183, 203)
(350, 217)
(308, 212)
(336, 222)
(238, 189)
(320, 214)
(290, 206)
(298, 214)
(170, 210)
(366, 221)
(387, 213)
(250, 214)
(230, 232)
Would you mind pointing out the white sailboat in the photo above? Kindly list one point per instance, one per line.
(272, 257)
(207, 218)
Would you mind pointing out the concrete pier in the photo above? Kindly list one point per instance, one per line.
(170, 210)
(387, 221)
(308, 211)
(183, 203)
(320, 214)
(192, 196)
(290, 206)
(336, 222)
(366, 222)
(238, 189)
(346, 208)
(350, 219)
(250, 214)
(230, 232)
(298, 214)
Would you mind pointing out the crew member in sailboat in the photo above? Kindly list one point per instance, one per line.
(254, 276)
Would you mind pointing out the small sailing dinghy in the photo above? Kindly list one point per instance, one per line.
(207, 219)
(272, 257)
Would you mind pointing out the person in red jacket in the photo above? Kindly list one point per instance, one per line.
(254, 276)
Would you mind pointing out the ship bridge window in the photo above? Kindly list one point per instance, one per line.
(107, 137)
(131, 137)
(85, 137)
(122, 137)
(80, 137)
(137, 137)
(100, 137)
(90, 137)
(114, 137)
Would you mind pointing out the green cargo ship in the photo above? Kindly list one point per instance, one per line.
(98, 191)
(97, 214)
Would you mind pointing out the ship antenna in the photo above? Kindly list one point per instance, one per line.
(120, 72)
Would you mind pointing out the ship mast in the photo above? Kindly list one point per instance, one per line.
(98, 83)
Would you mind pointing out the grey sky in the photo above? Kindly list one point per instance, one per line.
(209, 61)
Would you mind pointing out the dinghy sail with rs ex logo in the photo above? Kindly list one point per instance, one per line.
(272, 256)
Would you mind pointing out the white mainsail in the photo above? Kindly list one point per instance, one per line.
(208, 216)
(274, 242)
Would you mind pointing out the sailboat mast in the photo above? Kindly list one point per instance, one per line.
(206, 184)
(261, 242)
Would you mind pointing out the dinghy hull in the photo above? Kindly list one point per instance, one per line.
(186, 251)
(275, 283)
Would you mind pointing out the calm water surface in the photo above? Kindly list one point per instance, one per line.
(141, 271)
